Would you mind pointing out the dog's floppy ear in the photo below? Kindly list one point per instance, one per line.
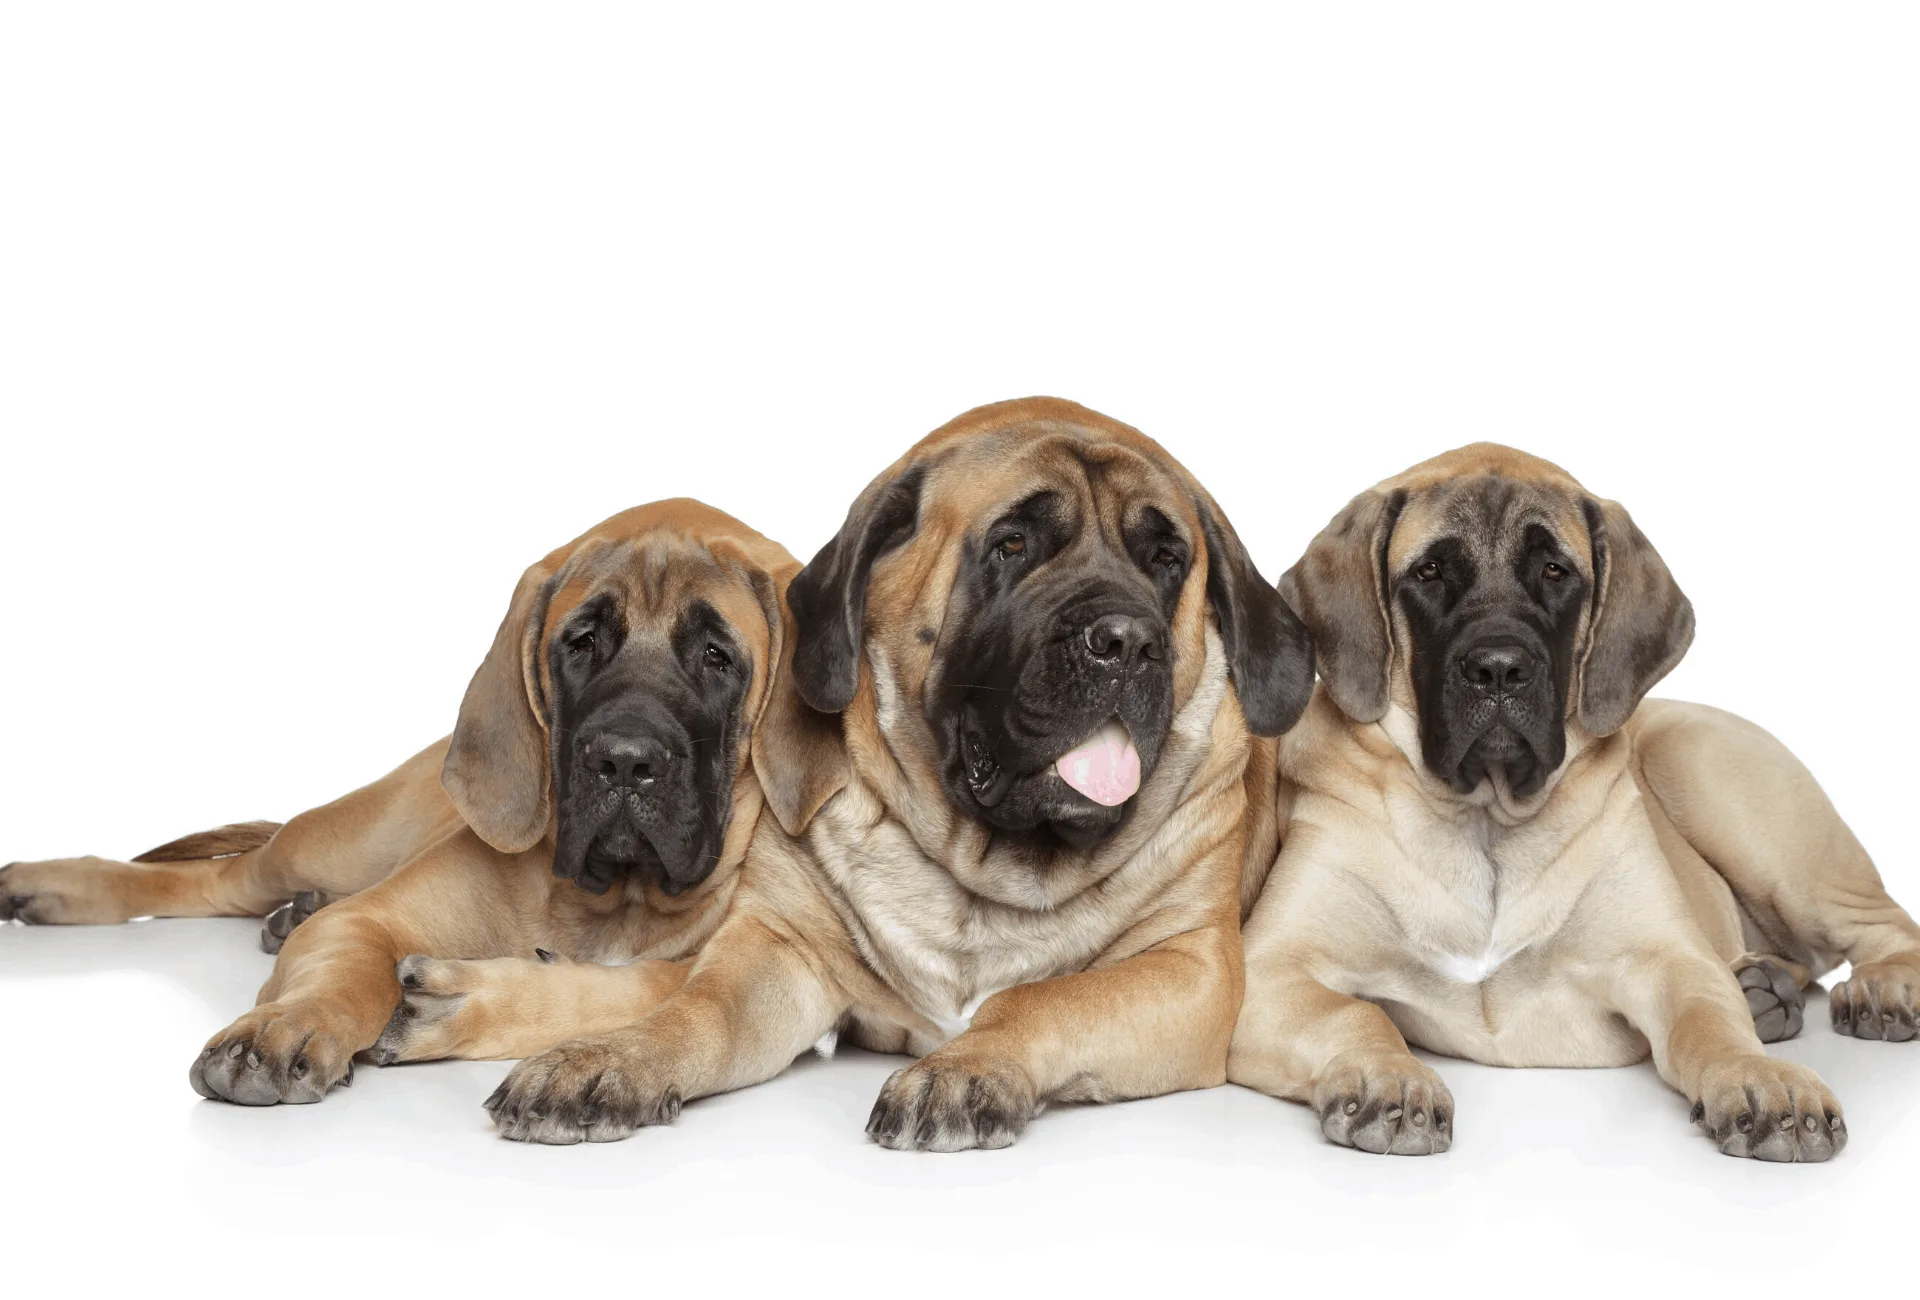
(1339, 588)
(829, 596)
(1269, 654)
(496, 771)
(1641, 626)
(799, 757)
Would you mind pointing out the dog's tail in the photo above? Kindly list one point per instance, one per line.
(220, 842)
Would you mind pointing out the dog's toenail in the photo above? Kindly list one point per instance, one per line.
(1786, 1123)
(1352, 1106)
(1812, 1123)
(1698, 1113)
(1420, 1117)
(233, 1053)
(1744, 1123)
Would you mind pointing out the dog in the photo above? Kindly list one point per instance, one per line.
(592, 806)
(1017, 845)
(1494, 851)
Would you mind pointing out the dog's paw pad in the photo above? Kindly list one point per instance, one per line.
(1774, 999)
(288, 917)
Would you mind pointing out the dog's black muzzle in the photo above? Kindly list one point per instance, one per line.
(1034, 687)
(1496, 708)
(629, 801)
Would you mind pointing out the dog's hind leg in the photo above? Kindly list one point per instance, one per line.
(1775, 986)
(1808, 895)
(249, 868)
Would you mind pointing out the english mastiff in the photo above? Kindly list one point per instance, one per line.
(1011, 842)
(1493, 850)
(591, 807)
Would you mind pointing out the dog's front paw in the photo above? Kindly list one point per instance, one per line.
(1764, 1109)
(1389, 1104)
(953, 1102)
(588, 1090)
(1880, 999)
(438, 1010)
(282, 1052)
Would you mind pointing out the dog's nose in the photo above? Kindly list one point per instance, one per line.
(1497, 669)
(1122, 638)
(631, 761)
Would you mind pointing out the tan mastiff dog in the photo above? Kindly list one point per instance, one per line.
(1035, 650)
(1489, 853)
(591, 806)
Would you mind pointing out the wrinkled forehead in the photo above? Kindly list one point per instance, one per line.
(1493, 516)
(654, 581)
(1096, 478)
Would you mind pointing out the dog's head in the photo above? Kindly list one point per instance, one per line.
(1028, 591)
(622, 700)
(1497, 599)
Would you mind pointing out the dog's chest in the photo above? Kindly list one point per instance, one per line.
(1485, 969)
(941, 947)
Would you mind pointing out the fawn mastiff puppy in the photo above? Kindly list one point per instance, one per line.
(1045, 647)
(1489, 853)
(597, 793)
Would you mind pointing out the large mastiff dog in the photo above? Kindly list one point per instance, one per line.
(1493, 851)
(591, 806)
(1034, 653)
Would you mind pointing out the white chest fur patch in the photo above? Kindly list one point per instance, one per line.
(1472, 970)
(954, 1026)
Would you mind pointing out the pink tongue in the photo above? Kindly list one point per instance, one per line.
(1105, 768)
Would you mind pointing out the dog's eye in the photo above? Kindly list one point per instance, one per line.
(1428, 571)
(1010, 547)
(715, 657)
(1167, 558)
(1553, 573)
(582, 644)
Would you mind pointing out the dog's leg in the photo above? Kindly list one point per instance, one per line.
(246, 869)
(1757, 815)
(506, 1008)
(755, 999)
(334, 986)
(100, 891)
(1300, 1040)
(1701, 1033)
(1153, 1023)
(1775, 986)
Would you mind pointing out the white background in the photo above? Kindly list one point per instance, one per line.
(317, 325)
